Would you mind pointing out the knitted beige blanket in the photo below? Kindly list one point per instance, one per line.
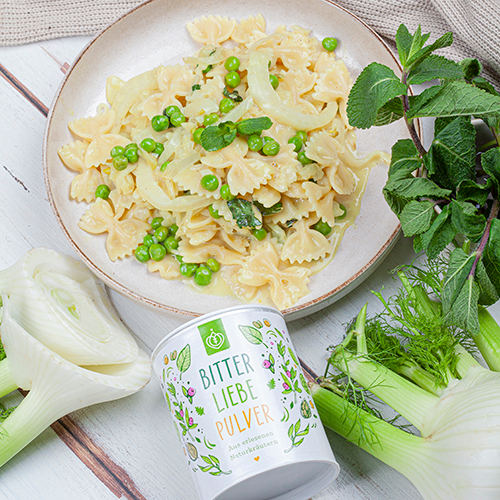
(474, 23)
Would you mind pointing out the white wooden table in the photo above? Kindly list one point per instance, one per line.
(128, 448)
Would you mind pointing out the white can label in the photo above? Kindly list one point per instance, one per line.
(239, 399)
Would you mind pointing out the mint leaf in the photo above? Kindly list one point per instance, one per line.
(456, 98)
(491, 255)
(277, 207)
(451, 157)
(484, 84)
(242, 213)
(404, 159)
(416, 217)
(444, 41)
(234, 95)
(407, 44)
(254, 125)
(375, 86)
(195, 87)
(390, 112)
(433, 68)
(487, 292)
(465, 311)
(460, 266)
(471, 68)
(219, 136)
(472, 191)
(467, 220)
(439, 235)
(490, 162)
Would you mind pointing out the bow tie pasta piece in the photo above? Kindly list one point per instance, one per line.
(267, 196)
(123, 235)
(214, 249)
(168, 268)
(285, 286)
(305, 244)
(293, 209)
(249, 30)
(211, 30)
(322, 200)
(198, 227)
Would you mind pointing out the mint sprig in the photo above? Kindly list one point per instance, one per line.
(451, 200)
(242, 213)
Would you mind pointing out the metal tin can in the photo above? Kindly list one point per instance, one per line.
(241, 405)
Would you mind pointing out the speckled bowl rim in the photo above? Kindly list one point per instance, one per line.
(290, 313)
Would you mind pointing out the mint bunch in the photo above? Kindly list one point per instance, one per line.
(454, 197)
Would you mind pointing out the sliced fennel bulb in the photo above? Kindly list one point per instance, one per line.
(62, 305)
(457, 452)
(43, 362)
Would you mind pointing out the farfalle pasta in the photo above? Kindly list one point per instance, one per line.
(235, 172)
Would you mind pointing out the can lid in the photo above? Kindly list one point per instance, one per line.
(202, 319)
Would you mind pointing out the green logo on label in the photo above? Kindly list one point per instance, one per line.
(214, 337)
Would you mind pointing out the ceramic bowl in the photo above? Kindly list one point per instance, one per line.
(155, 33)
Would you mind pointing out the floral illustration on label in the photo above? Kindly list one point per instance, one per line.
(184, 360)
(294, 432)
(269, 363)
(213, 467)
(253, 335)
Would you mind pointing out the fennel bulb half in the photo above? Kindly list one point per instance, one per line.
(64, 344)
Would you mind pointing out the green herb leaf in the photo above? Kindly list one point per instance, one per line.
(242, 213)
(471, 68)
(465, 311)
(467, 220)
(484, 84)
(417, 58)
(455, 279)
(491, 255)
(490, 162)
(276, 208)
(404, 159)
(487, 291)
(451, 157)
(375, 86)
(207, 69)
(234, 95)
(390, 112)
(407, 44)
(472, 191)
(254, 125)
(219, 136)
(196, 86)
(433, 68)
(439, 235)
(456, 98)
(416, 217)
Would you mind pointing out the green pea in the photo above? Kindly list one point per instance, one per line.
(209, 182)
(120, 162)
(266, 139)
(303, 158)
(161, 234)
(232, 79)
(132, 155)
(323, 227)
(171, 243)
(164, 166)
(259, 234)
(255, 142)
(232, 63)
(157, 251)
(210, 119)
(132, 145)
(203, 276)
(177, 119)
(302, 135)
(197, 135)
(148, 240)
(170, 110)
(340, 217)
(172, 230)
(274, 81)
(296, 142)
(142, 253)
(148, 144)
(102, 191)
(225, 193)
(214, 213)
(226, 105)
(156, 222)
(271, 148)
(159, 149)
(160, 123)
(117, 151)
(329, 44)
(213, 265)
(188, 270)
